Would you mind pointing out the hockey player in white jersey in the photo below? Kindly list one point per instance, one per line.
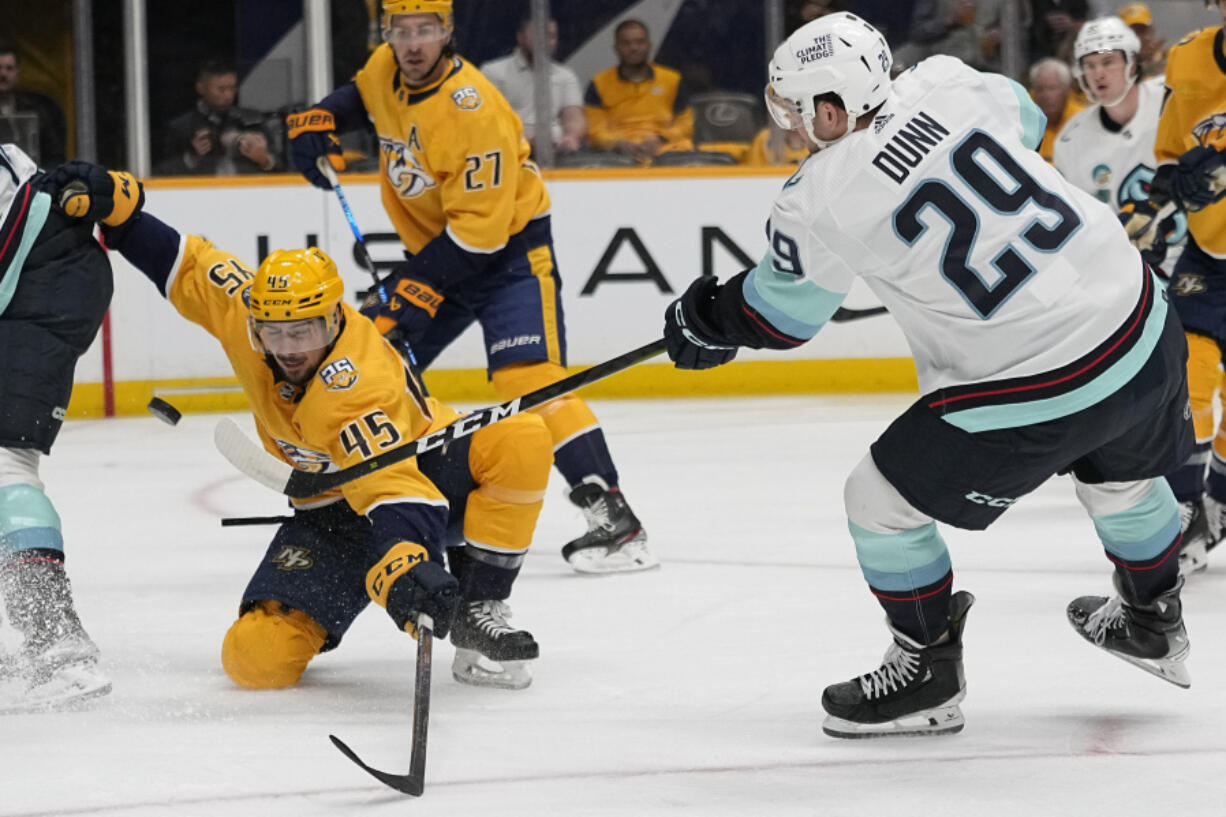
(1042, 343)
(1107, 149)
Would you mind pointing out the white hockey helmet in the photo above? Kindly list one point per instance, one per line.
(1102, 35)
(839, 54)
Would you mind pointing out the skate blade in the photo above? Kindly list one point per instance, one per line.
(472, 668)
(68, 689)
(1170, 669)
(631, 557)
(945, 719)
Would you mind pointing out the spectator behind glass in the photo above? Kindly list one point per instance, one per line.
(775, 146)
(1051, 85)
(1056, 23)
(638, 107)
(966, 29)
(216, 137)
(513, 75)
(1152, 58)
(52, 139)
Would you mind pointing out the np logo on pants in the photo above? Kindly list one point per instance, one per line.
(990, 501)
(292, 558)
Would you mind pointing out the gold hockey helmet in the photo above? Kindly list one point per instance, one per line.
(440, 7)
(297, 285)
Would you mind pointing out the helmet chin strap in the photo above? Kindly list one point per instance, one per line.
(825, 143)
(1111, 103)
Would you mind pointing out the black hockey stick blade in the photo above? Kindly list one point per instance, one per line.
(251, 458)
(843, 314)
(413, 783)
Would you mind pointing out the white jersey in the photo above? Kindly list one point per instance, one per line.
(1115, 162)
(16, 168)
(996, 268)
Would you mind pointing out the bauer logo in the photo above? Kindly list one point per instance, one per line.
(339, 375)
(467, 98)
(511, 343)
(822, 48)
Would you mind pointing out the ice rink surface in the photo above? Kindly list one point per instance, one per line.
(691, 690)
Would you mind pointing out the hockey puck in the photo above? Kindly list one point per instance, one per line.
(165, 412)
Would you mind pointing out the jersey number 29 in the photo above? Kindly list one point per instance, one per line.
(1005, 188)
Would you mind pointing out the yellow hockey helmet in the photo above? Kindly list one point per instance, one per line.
(440, 7)
(296, 285)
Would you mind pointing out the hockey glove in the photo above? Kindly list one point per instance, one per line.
(313, 134)
(407, 305)
(693, 342)
(1147, 232)
(1200, 178)
(90, 191)
(407, 585)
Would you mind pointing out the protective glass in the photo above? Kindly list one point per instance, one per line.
(784, 111)
(292, 337)
(424, 32)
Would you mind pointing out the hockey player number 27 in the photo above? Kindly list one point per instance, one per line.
(964, 221)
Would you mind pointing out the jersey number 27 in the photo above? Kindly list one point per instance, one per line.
(1005, 188)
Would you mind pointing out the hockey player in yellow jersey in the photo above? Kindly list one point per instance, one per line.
(473, 214)
(327, 391)
(1188, 148)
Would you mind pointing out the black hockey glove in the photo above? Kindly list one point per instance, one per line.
(1200, 178)
(1146, 231)
(407, 584)
(693, 341)
(313, 134)
(90, 191)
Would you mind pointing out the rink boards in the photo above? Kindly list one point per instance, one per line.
(627, 243)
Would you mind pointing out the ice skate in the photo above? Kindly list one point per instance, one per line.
(915, 691)
(1150, 636)
(488, 651)
(615, 542)
(1193, 525)
(57, 664)
(1215, 522)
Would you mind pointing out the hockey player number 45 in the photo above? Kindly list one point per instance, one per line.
(965, 223)
(370, 433)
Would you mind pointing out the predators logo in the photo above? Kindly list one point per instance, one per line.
(1211, 131)
(405, 173)
(304, 459)
(339, 375)
(1189, 284)
(467, 98)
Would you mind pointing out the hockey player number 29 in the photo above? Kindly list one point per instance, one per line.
(1002, 200)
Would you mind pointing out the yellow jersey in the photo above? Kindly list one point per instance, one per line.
(361, 401)
(1194, 113)
(618, 108)
(452, 157)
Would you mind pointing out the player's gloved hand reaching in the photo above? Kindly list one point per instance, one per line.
(404, 304)
(693, 342)
(407, 585)
(90, 191)
(1200, 177)
(1154, 232)
(312, 134)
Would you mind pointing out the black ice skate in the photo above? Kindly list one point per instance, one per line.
(615, 542)
(1193, 552)
(57, 664)
(1150, 636)
(488, 651)
(916, 690)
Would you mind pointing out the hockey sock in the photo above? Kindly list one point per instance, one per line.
(585, 455)
(484, 575)
(28, 521)
(910, 574)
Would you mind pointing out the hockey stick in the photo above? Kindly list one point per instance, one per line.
(843, 314)
(250, 457)
(325, 168)
(415, 781)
